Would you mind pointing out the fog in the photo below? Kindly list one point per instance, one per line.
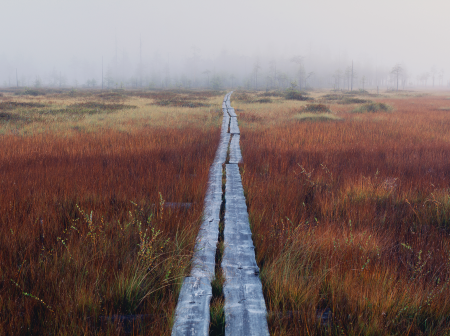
(225, 44)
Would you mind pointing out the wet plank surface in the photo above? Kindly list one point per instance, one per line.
(192, 316)
(245, 308)
(235, 150)
(192, 312)
(234, 128)
(231, 112)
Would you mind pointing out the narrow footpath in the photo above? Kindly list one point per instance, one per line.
(245, 309)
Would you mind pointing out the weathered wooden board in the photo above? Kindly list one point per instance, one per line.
(234, 128)
(235, 150)
(245, 309)
(231, 112)
(192, 316)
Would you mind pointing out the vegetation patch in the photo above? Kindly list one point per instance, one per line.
(243, 97)
(89, 108)
(316, 117)
(359, 92)
(341, 99)
(296, 95)
(372, 108)
(332, 96)
(179, 102)
(264, 100)
(347, 100)
(14, 105)
(272, 94)
(31, 92)
(9, 117)
(172, 94)
(316, 108)
(112, 96)
(36, 92)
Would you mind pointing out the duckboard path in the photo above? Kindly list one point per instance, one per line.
(245, 309)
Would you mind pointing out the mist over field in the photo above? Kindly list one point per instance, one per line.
(218, 44)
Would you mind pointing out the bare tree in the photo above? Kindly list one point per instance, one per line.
(301, 69)
(273, 69)
(348, 74)
(310, 75)
(397, 71)
(441, 77)
(337, 79)
(424, 78)
(353, 77)
(433, 73)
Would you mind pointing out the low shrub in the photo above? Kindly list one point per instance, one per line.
(264, 100)
(31, 92)
(372, 108)
(178, 102)
(295, 95)
(332, 97)
(12, 105)
(316, 108)
(272, 94)
(353, 101)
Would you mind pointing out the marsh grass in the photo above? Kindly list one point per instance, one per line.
(87, 243)
(351, 219)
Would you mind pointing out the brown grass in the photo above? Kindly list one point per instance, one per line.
(352, 218)
(91, 239)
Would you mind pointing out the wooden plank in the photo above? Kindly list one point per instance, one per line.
(234, 128)
(245, 309)
(231, 112)
(235, 150)
(192, 315)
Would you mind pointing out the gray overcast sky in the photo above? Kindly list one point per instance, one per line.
(52, 32)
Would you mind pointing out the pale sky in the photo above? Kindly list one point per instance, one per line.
(38, 35)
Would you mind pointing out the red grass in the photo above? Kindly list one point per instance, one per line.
(354, 216)
(85, 233)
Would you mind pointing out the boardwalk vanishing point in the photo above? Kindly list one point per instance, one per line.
(245, 309)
